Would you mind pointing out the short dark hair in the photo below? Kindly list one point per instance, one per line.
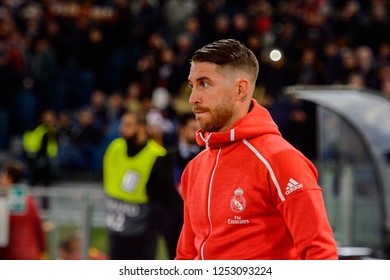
(230, 53)
(139, 115)
(15, 170)
(185, 117)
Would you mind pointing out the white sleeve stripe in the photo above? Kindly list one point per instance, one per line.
(269, 168)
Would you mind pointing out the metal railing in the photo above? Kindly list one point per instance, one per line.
(80, 205)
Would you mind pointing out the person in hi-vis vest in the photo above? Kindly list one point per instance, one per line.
(131, 202)
(40, 146)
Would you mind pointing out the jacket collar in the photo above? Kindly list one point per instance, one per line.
(256, 122)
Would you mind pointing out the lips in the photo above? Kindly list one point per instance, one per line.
(198, 110)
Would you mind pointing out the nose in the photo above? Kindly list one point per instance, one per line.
(194, 98)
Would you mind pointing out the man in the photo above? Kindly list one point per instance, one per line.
(41, 151)
(131, 199)
(167, 174)
(249, 194)
(41, 147)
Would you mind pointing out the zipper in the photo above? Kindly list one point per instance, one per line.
(209, 205)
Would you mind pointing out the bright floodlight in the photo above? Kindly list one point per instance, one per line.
(275, 55)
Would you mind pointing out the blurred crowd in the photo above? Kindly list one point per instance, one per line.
(88, 62)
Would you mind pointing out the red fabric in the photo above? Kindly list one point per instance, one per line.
(27, 239)
(237, 205)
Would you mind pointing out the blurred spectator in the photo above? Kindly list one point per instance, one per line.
(86, 138)
(367, 66)
(193, 30)
(350, 22)
(356, 81)
(41, 149)
(26, 237)
(147, 20)
(207, 13)
(132, 202)
(98, 107)
(385, 88)
(383, 73)
(132, 100)
(183, 49)
(42, 67)
(240, 27)
(263, 22)
(115, 109)
(165, 68)
(349, 64)
(309, 68)
(93, 55)
(161, 117)
(59, 39)
(332, 61)
(17, 51)
(65, 127)
(147, 73)
(25, 108)
(176, 21)
(68, 158)
(222, 28)
(383, 53)
(378, 25)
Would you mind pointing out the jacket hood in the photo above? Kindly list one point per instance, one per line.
(257, 122)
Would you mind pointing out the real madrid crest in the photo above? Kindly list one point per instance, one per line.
(238, 201)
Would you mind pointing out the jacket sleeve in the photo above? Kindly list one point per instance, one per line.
(302, 207)
(185, 247)
(306, 219)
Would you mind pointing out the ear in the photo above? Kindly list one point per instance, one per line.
(242, 89)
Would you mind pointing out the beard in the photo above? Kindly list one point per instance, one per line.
(220, 116)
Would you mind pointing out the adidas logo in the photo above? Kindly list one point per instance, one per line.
(292, 185)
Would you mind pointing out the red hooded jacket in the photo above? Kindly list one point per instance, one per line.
(252, 195)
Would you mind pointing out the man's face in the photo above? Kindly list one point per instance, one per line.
(212, 96)
(49, 118)
(129, 126)
(5, 179)
(188, 131)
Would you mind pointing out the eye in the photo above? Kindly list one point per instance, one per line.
(203, 84)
